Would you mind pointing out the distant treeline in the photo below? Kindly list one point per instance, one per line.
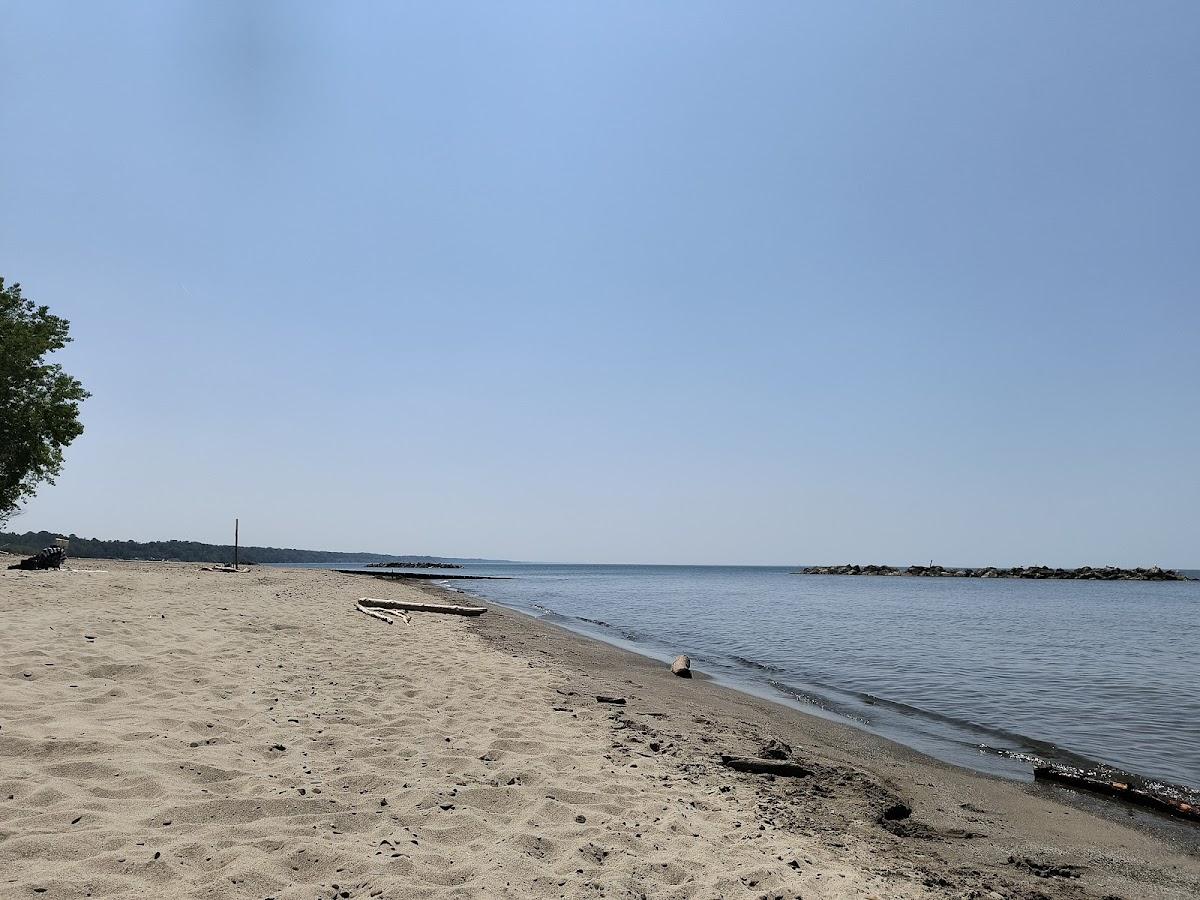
(187, 551)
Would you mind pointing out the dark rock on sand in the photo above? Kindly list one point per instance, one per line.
(1045, 869)
(896, 812)
(774, 749)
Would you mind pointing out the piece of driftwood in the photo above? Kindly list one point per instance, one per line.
(423, 607)
(682, 667)
(619, 701)
(373, 613)
(765, 766)
(1119, 789)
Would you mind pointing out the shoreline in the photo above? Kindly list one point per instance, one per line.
(992, 750)
(252, 735)
(571, 645)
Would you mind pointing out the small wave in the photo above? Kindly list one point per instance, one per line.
(957, 722)
(1032, 758)
(823, 703)
(754, 664)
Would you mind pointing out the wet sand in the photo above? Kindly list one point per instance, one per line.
(167, 732)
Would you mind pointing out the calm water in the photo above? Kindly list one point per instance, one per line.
(990, 674)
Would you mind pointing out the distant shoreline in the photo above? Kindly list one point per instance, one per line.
(1083, 573)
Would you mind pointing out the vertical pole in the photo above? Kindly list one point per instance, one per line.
(235, 543)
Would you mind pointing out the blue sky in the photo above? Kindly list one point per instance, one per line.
(665, 282)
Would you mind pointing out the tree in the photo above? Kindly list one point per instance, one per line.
(39, 402)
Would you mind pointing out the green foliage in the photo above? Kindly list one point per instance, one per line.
(39, 402)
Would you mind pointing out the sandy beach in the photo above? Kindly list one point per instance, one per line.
(171, 732)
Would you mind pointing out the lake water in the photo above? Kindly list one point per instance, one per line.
(991, 674)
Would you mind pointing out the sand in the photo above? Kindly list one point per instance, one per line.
(168, 732)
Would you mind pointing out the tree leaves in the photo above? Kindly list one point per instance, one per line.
(39, 402)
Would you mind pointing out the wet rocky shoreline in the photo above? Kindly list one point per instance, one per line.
(1083, 573)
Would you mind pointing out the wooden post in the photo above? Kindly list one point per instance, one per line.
(235, 544)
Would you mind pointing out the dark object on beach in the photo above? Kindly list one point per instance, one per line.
(896, 812)
(1091, 781)
(50, 558)
(682, 667)
(774, 749)
(620, 701)
(1045, 869)
(1084, 573)
(372, 603)
(765, 766)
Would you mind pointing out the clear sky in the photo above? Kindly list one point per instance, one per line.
(619, 282)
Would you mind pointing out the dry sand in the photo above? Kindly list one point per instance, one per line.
(167, 732)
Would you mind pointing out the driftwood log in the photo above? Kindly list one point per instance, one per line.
(765, 766)
(373, 613)
(682, 667)
(1118, 789)
(422, 607)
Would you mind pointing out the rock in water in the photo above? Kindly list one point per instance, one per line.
(682, 667)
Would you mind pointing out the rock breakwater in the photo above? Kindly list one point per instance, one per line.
(1084, 573)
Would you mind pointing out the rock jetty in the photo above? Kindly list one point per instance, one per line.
(412, 565)
(1084, 573)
